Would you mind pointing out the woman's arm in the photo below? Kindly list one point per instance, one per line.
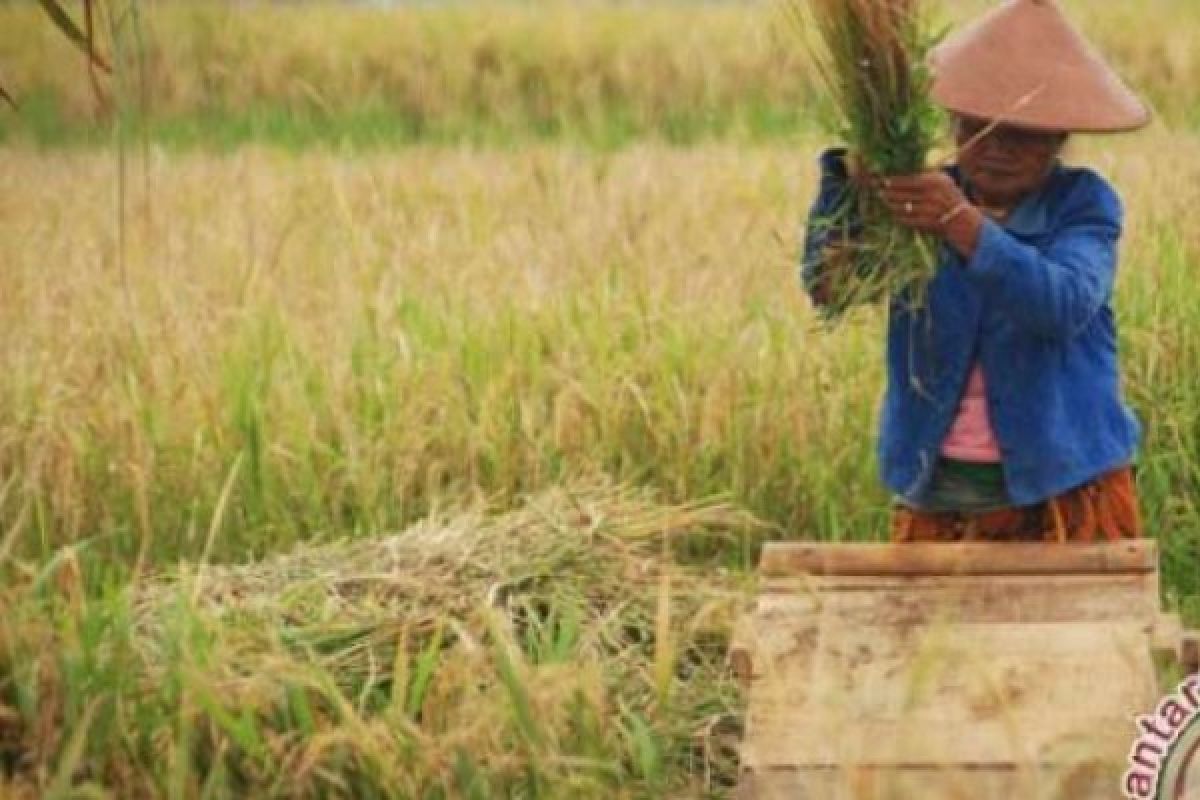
(1053, 291)
(828, 239)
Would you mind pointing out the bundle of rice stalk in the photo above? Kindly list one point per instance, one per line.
(871, 56)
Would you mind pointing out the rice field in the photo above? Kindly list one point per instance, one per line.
(438, 468)
(494, 73)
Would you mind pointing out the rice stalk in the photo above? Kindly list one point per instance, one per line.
(474, 654)
(871, 57)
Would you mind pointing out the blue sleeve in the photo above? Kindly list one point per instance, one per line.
(820, 227)
(1054, 291)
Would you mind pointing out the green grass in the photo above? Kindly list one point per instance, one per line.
(42, 121)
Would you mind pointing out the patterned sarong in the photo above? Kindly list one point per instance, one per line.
(1104, 509)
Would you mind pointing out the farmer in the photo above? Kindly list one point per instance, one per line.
(1003, 417)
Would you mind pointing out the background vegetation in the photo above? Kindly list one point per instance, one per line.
(555, 338)
(217, 74)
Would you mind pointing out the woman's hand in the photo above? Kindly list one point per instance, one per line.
(931, 202)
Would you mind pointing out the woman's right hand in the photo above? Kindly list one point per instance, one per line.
(931, 202)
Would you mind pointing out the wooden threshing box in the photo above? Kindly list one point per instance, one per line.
(931, 671)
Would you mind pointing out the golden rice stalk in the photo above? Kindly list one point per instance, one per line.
(872, 58)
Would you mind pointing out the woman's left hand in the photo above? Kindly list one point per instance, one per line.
(931, 202)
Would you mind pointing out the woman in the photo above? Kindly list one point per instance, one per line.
(1003, 417)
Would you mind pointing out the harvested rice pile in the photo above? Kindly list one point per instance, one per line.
(559, 650)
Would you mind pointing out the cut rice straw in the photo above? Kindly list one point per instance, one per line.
(871, 56)
(569, 642)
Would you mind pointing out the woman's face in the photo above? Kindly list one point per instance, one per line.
(1006, 163)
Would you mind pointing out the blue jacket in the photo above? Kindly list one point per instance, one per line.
(1034, 305)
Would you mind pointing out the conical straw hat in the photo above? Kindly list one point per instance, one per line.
(1025, 64)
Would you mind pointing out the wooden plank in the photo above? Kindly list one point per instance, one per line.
(948, 670)
(1082, 781)
(955, 694)
(781, 559)
(786, 615)
(1021, 741)
(985, 598)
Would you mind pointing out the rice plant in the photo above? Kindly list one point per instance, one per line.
(871, 56)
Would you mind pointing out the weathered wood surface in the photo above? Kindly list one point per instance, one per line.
(960, 558)
(1080, 781)
(984, 695)
(1001, 679)
(784, 605)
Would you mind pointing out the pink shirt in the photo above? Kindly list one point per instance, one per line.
(971, 437)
